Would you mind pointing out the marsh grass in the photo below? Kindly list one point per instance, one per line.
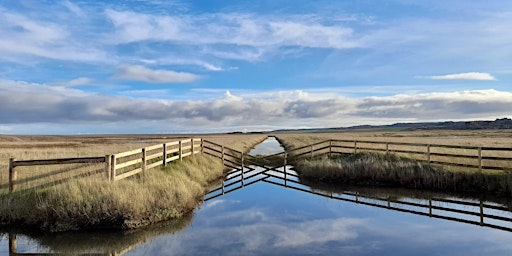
(51, 147)
(392, 170)
(92, 203)
(51, 198)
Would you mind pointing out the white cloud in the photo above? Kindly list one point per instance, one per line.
(141, 73)
(232, 29)
(465, 76)
(228, 112)
(75, 82)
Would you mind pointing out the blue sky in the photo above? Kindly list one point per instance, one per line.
(149, 66)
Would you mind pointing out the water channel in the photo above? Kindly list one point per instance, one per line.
(268, 216)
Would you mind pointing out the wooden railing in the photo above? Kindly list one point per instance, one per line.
(116, 167)
(126, 164)
(481, 158)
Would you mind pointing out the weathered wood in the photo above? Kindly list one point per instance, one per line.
(153, 156)
(428, 154)
(128, 153)
(12, 175)
(80, 160)
(355, 147)
(153, 165)
(128, 163)
(107, 167)
(144, 159)
(242, 164)
(13, 245)
(170, 159)
(223, 155)
(127, 174)
(165, 155)
(192, 146)
(181, 150)
(480, 159)
(113, 167)
(154, 147)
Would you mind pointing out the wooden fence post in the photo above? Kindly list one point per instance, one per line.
(113, 167)
(165, 155)
(428, 153)
(387, 147)
(223, 155)
(192, 146)
(12, 175)
(13, 245)
(144, 159)
(107, 167)
(330, 148)
(355, 146)
(181, 149)
(242, 159)
(481, 213)
(479, 159)
(202, 145)
(284, 168)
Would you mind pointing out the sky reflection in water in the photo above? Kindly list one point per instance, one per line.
(264, 219)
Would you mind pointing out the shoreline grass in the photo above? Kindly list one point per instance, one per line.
(93, 202)
(390, 170)
(154, 196)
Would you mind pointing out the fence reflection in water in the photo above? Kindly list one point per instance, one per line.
(476, 212)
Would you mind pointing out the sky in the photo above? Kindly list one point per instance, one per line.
(155, 66)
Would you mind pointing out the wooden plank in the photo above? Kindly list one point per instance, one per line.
(127, 174)
(107, 166)
(157, 155)
(496, 158)
(496, 149)
(113, 167)
(129, 153)
(153, 165)
(186, 154)
(173, 158)
(174, 143)
(126, 164)
(12, 175)
(154, 147)
(175, 150)
(79, 160)
(454, 155)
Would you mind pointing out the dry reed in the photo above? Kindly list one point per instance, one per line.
(391, 170)
(96, 203)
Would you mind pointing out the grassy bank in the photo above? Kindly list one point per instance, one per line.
(391, 170)
(92, 203)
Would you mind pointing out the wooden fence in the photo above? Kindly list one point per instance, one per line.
(481, 158)
(115, 167)
(126, 164)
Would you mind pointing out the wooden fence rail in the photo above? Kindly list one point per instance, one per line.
(126, 164)
(481, 158)
(118, 166)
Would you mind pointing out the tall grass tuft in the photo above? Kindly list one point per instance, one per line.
(88, 203)
(391, 170)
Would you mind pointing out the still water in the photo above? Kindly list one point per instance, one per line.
(266, 218)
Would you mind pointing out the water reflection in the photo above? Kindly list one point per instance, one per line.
(106, 242)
